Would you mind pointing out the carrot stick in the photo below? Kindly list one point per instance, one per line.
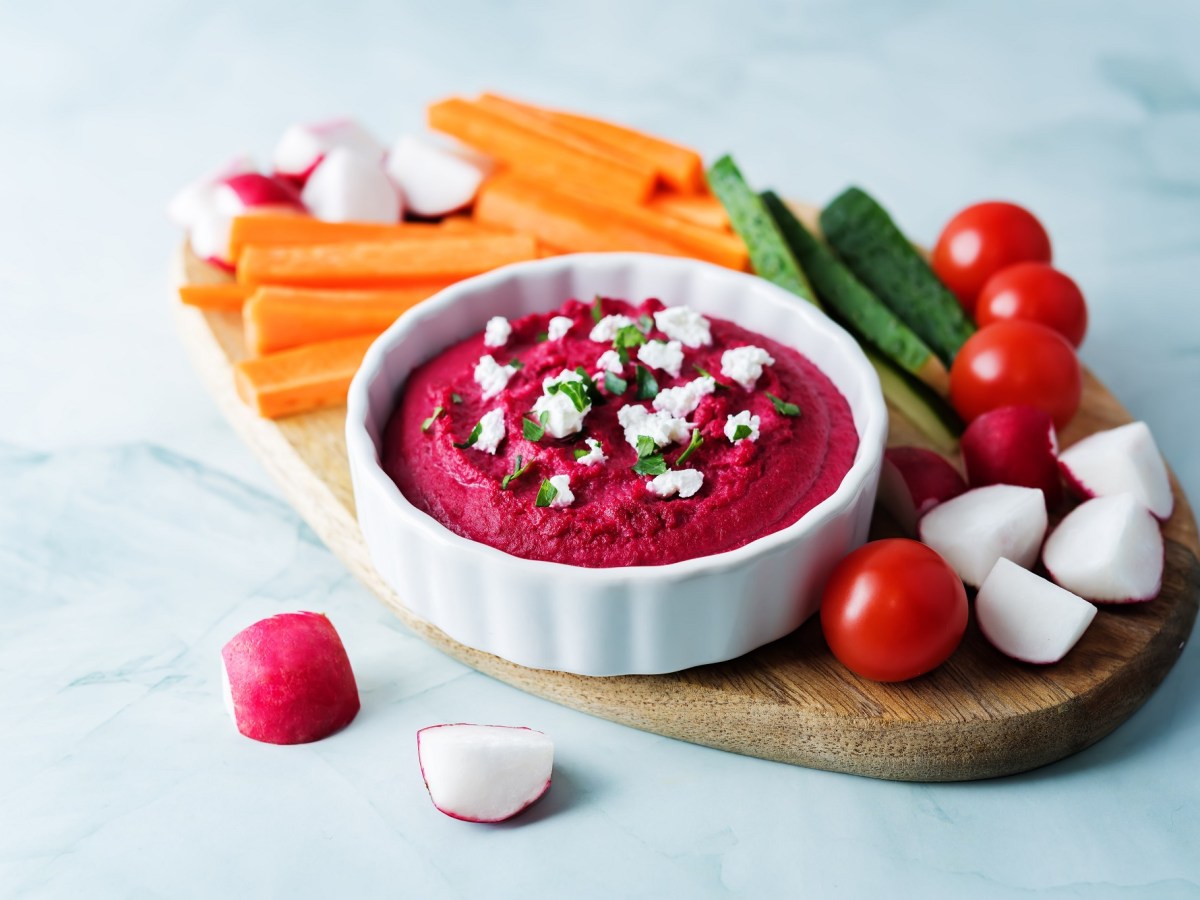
(532, 146)
(279, 318)
(227, 295)
(301, 379)
(286, 231)
(699, 209)
(440, 257)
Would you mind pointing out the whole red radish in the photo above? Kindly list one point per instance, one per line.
(288, 679)
(1034, 292)
(913, 481)
(1013, 445)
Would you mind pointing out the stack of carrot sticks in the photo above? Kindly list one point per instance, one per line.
(314, 294)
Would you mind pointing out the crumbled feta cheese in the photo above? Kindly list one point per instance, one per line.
(667, 356)
(595, 454)
(564, 497)
(745, 364)
(491, 431)
(684, 482)
(558, 327)
(610, 361)
(682, 401)
(606, 329)
(685, 325)
(565, 375)
(742, 418)
(562, 418)
(660, 427)
(497, 332)
(492, 377)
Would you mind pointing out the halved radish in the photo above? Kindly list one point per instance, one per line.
(195, 198)
(348, 187)
(1013, 445)
(913, 481)
(287, 679)
(232, 197)
(1029, 618)
(1108, 550)
(484, 773)
(1120, 460)
(434, 181)
(302, 147)
(985, 524)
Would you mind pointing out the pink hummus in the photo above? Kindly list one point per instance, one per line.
(750, 488)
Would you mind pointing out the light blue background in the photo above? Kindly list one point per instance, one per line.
(137, 534)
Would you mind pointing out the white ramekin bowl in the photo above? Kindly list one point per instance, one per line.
(640, 619)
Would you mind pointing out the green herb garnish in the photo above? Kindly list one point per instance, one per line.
(696, 441)
(651, 465)
(708, 374)
(581, 452)
(573, 389)
(546, 493)
(782, 406)
(456, 398)
(535, 431)
(615, 384)
(437, 411)
(646, 446)
(628, 336)
(645, 323)
(597, 310)
(472, 437)
(647, 387)
(542, 337)
(515, 363)
(741, 433)
(593, 392)
(517, 472)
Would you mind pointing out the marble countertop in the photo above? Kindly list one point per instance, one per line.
(137, 534)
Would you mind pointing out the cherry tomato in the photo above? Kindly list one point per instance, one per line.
(1035, 292)
(1013, 363)
(893, 610)
(983, 239)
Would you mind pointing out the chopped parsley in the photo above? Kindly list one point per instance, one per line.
(782, 406)
(581, 452)
(593, 392)
(535, 431)
(707, 374)
(696, 441)
(628, 336)
(437, 411)
(546, 493)
(651, 465)
(573, 389)
(456, 398)
(646, 446)
(516, 364)
(472, 437)
(741, 433)
(645, 323)
(615, 384)
(597, 310)
(542, 337)
(517, 472)
(647, 387)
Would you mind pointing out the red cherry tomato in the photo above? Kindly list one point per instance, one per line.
(1035, 292)
(983, 239)
(893, 610)
(1013, 363)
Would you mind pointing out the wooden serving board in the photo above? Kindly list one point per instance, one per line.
(979, 715)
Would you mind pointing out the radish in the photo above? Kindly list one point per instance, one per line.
(231, 197)
(288, 680)
(195, 198)
(349, 187)
(1028, 618)
(1108, 550)
(1117, 461)
(1013, 445)
(484, 773)
(985, 524)
(913, 481)
(302, 147)
(433, 180)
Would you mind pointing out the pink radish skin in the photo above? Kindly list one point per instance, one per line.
(913, 481)
(195, 198)
(302, 147)
(484, 773)
(289, 679)
(1027, 617)
(1013, 445)
(1117, 461)
(233, 197)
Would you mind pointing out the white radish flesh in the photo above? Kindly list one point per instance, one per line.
(348, 187)
(434, 181)
(232, 197)
(1120, 460)
(1027, 617)
(302, 147)
(194, 199)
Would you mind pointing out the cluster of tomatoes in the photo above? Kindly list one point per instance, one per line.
(995, 257)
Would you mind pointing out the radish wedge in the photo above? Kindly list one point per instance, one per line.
(1013, 445)
(484, 773)
(232, 197)
(194, 199)
(434, 181)
(302, 147)
(1117, 461)
(1027, 617)
(985, 524)
(913, 481)
(1108, 550)
(348, 187)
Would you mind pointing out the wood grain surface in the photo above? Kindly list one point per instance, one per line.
(980, 715)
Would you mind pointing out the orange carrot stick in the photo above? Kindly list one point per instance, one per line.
(279, 318)
(222, 295)
(302, 379)
(286, 231)
(680, 167)
(699, 209)
(532, 146)
(440, 257)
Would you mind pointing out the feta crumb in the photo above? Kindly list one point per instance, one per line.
(491, 431)
(497, 332)
(745, 364)
(684, 482)
(562, 418)
(564, 497)
(492, 377)
(682, 401)
(660, 427)
(666, 356)
(606, 329)
(610, 361)
(565, 375)
(683, 324)
(742, 418)
(595, 454)
(558, 327)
